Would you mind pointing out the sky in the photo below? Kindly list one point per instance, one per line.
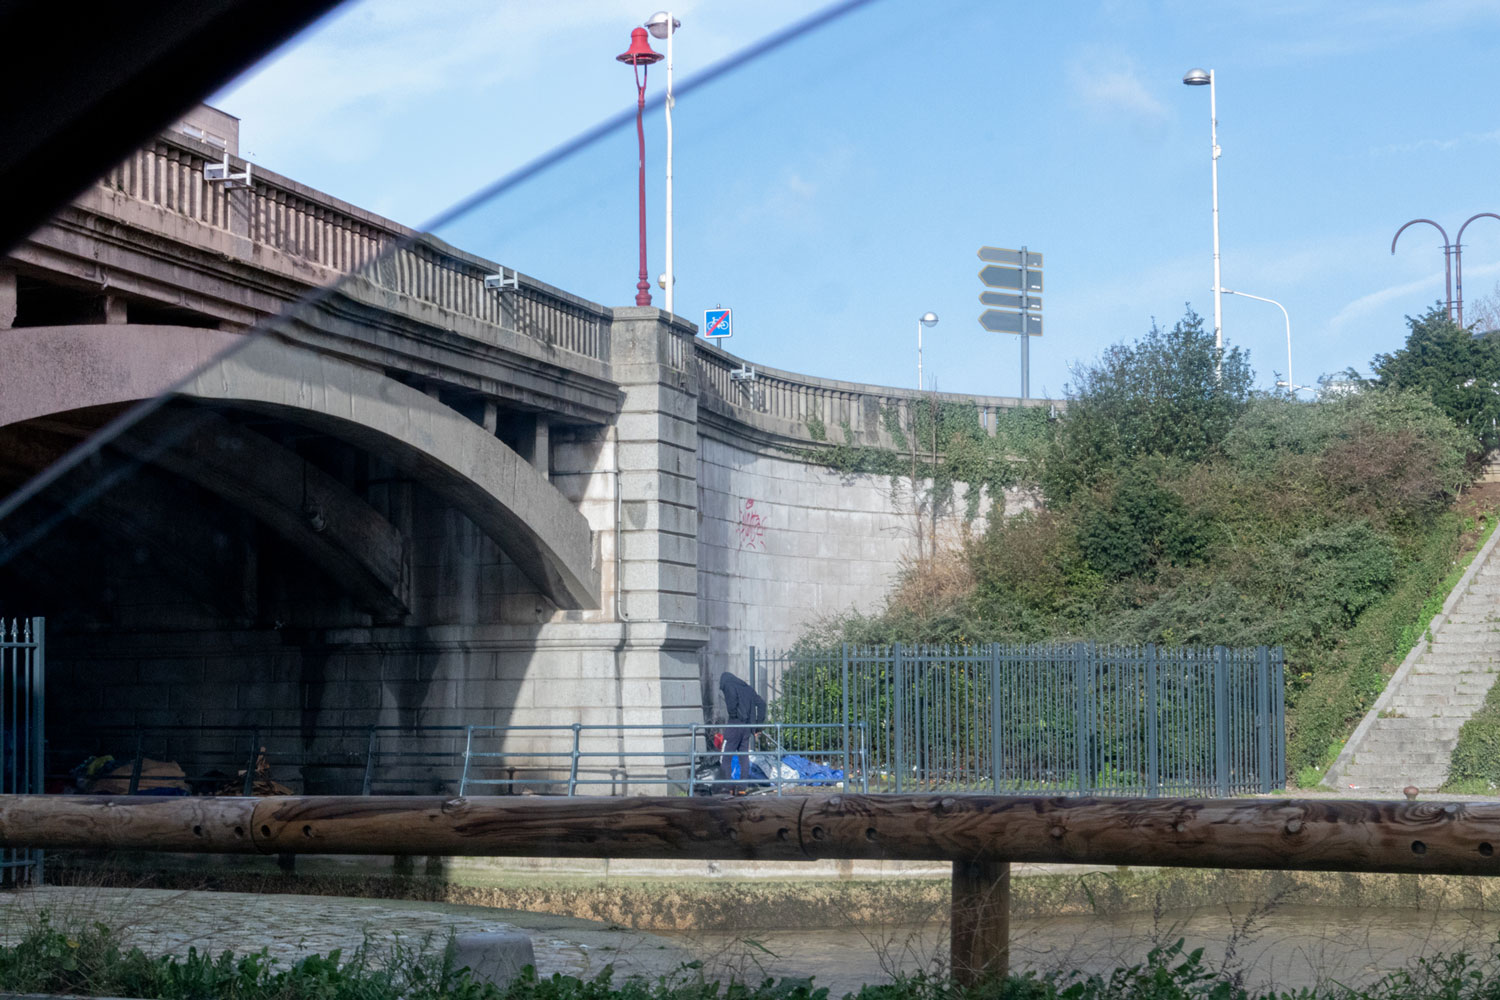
(834, 189)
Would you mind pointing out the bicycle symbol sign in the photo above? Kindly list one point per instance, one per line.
(716, 323)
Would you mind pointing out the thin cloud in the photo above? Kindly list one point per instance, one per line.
(1114, 87)
(1431, 285)
(1439, 145)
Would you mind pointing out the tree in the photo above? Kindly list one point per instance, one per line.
(1171, 394)
(1483, 314)
(1458, 371)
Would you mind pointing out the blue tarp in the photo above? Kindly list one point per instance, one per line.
(808, 772)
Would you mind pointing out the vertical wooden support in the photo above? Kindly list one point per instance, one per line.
(980, 921)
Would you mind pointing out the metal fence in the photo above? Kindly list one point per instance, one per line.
(1073, 718)
(424, 760)
(22, 738)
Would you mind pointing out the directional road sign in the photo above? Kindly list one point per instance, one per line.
(1007, 301)
(1001, 321)
(996, 276)
(998, 255)
(717, 324)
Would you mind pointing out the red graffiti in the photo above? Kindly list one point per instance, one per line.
(752, 528)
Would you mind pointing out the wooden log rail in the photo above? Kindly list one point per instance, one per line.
(979, 834)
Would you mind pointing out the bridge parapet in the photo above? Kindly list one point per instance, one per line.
(276, 212)
(788, 405)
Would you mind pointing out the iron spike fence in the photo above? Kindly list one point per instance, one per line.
(1068, 718)
(22, 737)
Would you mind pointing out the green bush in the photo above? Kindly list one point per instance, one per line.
(1171, 394)
(1181, 509)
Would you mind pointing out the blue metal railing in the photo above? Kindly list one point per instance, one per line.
(577, 759)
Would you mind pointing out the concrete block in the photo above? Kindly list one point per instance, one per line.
(495, 956)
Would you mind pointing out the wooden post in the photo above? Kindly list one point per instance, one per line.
(980, 921)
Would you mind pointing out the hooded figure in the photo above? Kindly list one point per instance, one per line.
(745, 709)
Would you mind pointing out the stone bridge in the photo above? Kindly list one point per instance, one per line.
(414, 501)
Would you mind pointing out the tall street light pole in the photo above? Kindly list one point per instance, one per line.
(639, 57)
(1291, 386)
(664, 25)
(928, 319)
(1201, 78)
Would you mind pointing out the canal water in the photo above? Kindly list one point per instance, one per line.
(1280, 947)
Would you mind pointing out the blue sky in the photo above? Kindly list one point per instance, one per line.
(838, 188)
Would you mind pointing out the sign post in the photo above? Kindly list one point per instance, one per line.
(1021, 313)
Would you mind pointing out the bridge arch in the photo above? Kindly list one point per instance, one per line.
(69, 368)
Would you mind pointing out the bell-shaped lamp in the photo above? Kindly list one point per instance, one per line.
(640, 52)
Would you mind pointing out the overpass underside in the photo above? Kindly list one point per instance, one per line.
(270, 460)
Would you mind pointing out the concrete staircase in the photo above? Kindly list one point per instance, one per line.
(1409, 735)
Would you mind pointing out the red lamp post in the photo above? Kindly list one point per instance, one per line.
(639, 56)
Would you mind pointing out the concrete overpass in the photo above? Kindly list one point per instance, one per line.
(418, 501)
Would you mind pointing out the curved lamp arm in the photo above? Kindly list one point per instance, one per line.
(1458, 259)
(1447, 256)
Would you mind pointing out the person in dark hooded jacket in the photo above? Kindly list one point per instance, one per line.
(745, 709)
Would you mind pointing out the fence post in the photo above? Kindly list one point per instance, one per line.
(995, 717)
(1278, 710)
(135, 766)
(898, 696)
(38, 719)
(250, 768)
(463, 779)
(751, 675)
(844, 666)
(1080, 715)
(573, 771)
(980, 921)
(1153, 734)
(369, 781)
(1221, 721)
(1263, 715)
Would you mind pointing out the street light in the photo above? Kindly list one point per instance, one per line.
(1291, 386)
(639, 58)
(1201, 78)
(663, 25)
(1453, 261)
(928, 319)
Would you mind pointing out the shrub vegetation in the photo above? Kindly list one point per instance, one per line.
(1174, 505)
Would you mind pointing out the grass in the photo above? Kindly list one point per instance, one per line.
(91, 962)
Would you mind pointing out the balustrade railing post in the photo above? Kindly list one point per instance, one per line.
(980, 921)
